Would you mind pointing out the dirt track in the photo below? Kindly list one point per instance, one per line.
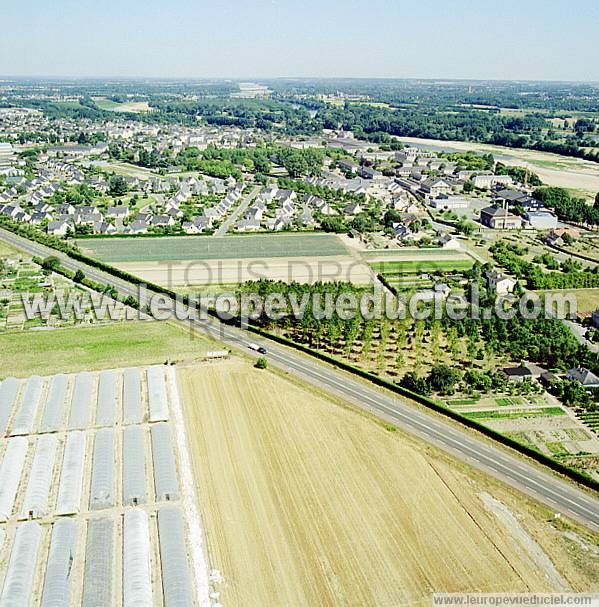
(307, 503)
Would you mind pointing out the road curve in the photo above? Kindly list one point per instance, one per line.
(559, 494)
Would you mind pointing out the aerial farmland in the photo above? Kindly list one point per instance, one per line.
(306, 502)
(185, 262)
(295, 342)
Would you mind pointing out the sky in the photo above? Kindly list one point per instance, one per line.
(465, 39)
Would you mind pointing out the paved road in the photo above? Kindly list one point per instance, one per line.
(579, 332)
(558, 494)
(236, 214)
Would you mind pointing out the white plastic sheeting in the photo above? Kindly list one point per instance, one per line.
(57, 585)
(71, 476)
(35, 504)
(9, 389)
(81, 402)
(99, 557)
(107, 397)
(102, 487)
(137, 572)
(134, 466)
(157, 399)
(165, 468)
(10, 474)
(132, 406)
(25, 417)
(55, 403)
(176, 579)
(18, 583)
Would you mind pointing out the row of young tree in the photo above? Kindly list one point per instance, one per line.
(544, 341)
(571, 275)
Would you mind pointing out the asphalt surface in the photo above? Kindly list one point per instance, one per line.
(560, 495)
(240, 209)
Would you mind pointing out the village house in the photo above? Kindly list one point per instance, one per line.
(449, 203)
(353, 208)
(248, 225)
(499, 218)
(102, 227)
(434, 187)
(138, 226)
(369, 173)
(556, 236)
(348, 166)
(584, 377)
(499, 282)
(59, 228)
(118, 212)
(162, 221)
(485, 181)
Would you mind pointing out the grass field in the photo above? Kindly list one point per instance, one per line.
(101, 347)
(424, 265)
(413, 253)
(587, 300)
(106, 104)
(6, 250)
(125, 169)
(207, 247)
(309, 503)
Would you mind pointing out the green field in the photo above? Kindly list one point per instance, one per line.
(423, 265)
(490, 415)
(101, 347)
(208, 247)
(106, 104)
(412, 252)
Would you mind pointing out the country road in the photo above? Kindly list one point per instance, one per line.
(548, 488)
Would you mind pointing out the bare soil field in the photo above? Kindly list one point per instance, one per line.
(306, 502)
(192, 273)
(553, 169)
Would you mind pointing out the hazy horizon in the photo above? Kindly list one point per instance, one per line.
(526, 40)
(257, 79)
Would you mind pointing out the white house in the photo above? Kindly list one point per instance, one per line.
(500, 282)
(450, 203)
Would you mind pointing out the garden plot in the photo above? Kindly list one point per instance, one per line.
(22, 277)
(536, 422)
(96, 506)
